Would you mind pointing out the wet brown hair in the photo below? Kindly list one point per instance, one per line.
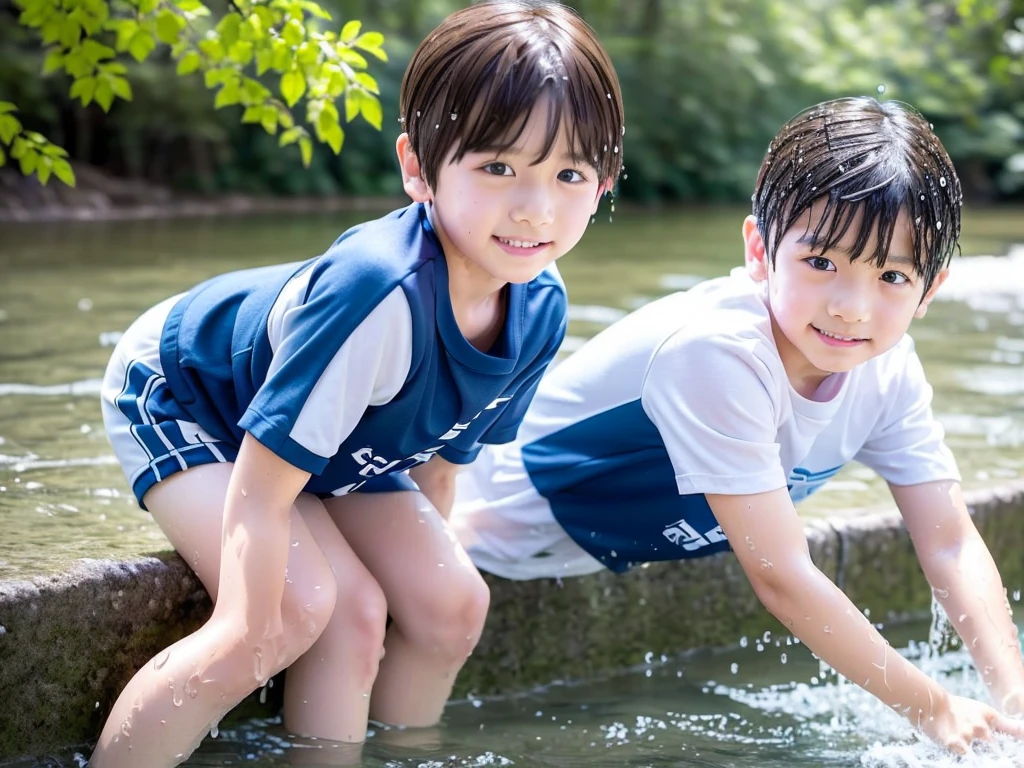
(473, 82)
(866, 157)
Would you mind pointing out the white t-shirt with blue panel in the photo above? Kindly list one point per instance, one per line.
(351, 365)
(688, 396)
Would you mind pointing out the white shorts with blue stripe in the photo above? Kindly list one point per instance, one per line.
(152, 435)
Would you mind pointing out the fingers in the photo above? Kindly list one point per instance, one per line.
(1011, 727)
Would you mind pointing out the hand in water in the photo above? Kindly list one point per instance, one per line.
(963, 721)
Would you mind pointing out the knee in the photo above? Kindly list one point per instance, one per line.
(449, 623)
(361, 614)
(307, 611)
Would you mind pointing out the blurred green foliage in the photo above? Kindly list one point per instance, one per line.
(265, 55)
(706, 85)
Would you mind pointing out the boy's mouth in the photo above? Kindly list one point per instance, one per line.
(519, 243)
(837, 338)
(515, 247)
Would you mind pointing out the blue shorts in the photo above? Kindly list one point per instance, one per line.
(153, 436)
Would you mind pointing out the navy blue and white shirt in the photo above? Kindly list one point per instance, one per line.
(351, 366)
(685, 397)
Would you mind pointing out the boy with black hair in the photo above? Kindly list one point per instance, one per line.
(697, 422)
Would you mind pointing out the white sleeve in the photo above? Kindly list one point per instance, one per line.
(714, 403)
(369, 369)
(907, 445)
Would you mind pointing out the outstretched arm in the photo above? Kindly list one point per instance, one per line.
(965, 580)
(768, 539)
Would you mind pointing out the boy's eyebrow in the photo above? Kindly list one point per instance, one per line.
(890, 260)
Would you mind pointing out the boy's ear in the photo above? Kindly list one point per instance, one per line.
(922, 308)
(754, 253)
(415, 185)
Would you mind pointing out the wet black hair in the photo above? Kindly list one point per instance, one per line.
(474, 81)
(868, 158)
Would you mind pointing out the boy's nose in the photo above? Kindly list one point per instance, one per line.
(851, 305)
(533, 206)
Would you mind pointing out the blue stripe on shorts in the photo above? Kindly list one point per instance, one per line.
(167, 439)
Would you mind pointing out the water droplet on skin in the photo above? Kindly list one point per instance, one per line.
(962, 617)
(160, 660)
(295, 542)
(126, 728)
(765, 565)
(192, 685)
(244, 493)
(258, 664)
(263, 695)
(828, 630)
(750, 543)
(215, 730)
(175, 700)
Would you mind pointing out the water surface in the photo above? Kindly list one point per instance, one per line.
(69, 290)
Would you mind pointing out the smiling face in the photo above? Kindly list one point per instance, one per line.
(504, 215)
(830, 314)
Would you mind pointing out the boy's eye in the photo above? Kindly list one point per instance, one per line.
(896, 278)
(821, 263)
(571, 176)
(498, 169)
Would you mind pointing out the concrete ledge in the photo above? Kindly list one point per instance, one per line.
(70, 642)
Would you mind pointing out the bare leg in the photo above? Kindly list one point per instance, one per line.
(327, 692)
(170, 703)
(435, 595)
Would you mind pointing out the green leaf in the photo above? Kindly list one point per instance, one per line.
(353, 104)
(126, 29)
(6, 106)
(104, 94)
(369, 40)
(169, 26)
(3, 158)
(366, 80)
(19, 148)
(241, 52)
(62, 170)
(269, 120)
(293, 85)
(76, 65)
(350, 31)
(83, 89)
(294, 32)
(43, 169)
(306, 147)
(316, 10)
(334, 138)
(253, 114)
(52, 150)
(228, 28)
(70, 33)
(142, 45)
(352, 58)
(28, 161)
(114, 68)
(146, 7)
(371, 111)
(264, 60)
(228, 95)
(191, 6)
(54, 61)
(96, 52)
(189, 63)
(122, 88)
(10, 127)
(212, 48)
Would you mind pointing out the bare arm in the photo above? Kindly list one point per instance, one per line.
(436, 478)
(769, 542)
(255, 539)
(965, 580)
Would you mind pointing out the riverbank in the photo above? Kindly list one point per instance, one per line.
(70, 641)
(100, 197)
